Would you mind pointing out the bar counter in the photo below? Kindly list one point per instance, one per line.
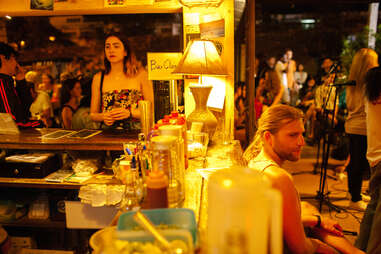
(219, 156)
(33, 139)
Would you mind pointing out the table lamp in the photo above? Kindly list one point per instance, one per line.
(201, 58)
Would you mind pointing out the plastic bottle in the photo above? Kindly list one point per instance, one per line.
(165, 158)
(181, 121)
(157, 183)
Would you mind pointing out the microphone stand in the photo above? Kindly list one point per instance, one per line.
(328, 130)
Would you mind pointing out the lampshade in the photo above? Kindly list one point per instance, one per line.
(200, 57)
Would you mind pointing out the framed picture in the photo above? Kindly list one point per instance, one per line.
(41, 4)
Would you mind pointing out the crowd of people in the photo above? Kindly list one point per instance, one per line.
(85, 96)
(293, 107)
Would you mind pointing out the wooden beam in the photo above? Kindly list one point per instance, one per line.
(250, 42)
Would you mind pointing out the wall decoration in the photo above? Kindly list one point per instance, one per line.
(41, 5)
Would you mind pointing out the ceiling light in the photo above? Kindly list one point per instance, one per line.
(307, 21)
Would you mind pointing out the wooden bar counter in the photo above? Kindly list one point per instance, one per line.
(219, 156)
(33, 139)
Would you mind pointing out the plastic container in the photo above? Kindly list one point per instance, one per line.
(105, 235)
(175, 218)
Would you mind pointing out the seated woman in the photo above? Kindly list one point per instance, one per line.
(71, 94)
(117, 91)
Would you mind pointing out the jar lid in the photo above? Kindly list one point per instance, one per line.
(171, 130)
(125, 164)
(163, 142)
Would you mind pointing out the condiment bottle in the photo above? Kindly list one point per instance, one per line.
(182, 122)
(157, 183)
(179, 167)
(165, 157)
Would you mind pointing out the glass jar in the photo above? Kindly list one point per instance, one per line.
(165, 157)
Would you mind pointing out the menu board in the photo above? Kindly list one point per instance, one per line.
(161, 66)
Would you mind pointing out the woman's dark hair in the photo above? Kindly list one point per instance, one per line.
(67, 86)
(130, 64)
(372, 84)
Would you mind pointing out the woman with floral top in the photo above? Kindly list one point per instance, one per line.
(116, 91)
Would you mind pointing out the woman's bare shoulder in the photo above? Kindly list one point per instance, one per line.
(97, 78)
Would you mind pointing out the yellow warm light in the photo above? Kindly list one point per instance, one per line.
(52, 38)
(201, 57)
(8, 17)
(22, 43)
(227, 183)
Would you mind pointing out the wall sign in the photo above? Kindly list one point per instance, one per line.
(161, 66)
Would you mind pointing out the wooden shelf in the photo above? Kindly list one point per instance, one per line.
(26, 222)
(35, 183)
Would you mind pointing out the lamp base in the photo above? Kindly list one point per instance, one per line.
(201, 113)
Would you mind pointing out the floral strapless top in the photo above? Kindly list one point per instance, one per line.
(125, 98)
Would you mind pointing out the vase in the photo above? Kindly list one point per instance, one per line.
(201, 112)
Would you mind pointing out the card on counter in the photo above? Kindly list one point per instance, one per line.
(85, 133)
(57, 134)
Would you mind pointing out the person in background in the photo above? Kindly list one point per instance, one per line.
(71, 94)
(307, 105)
(42, 108)
(51, 88)
(355, 124)
(291, 68)
(14, 99)
(369, 239)
(323, 72)
(300, 77)
(279, 138)
(270, 90)
(117, 91)
(269, 64)
(32, 78)
(281, 68)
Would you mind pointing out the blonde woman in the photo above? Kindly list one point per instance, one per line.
(115, 93)
(355, 125)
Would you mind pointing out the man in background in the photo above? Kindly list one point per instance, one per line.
(14, 99)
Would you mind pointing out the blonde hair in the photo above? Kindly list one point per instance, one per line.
(272, 120)
(363, 60)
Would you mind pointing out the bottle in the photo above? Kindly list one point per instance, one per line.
(179, 167)
(157, 183)
(165, 158)
(182, 122)
(130, 198)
